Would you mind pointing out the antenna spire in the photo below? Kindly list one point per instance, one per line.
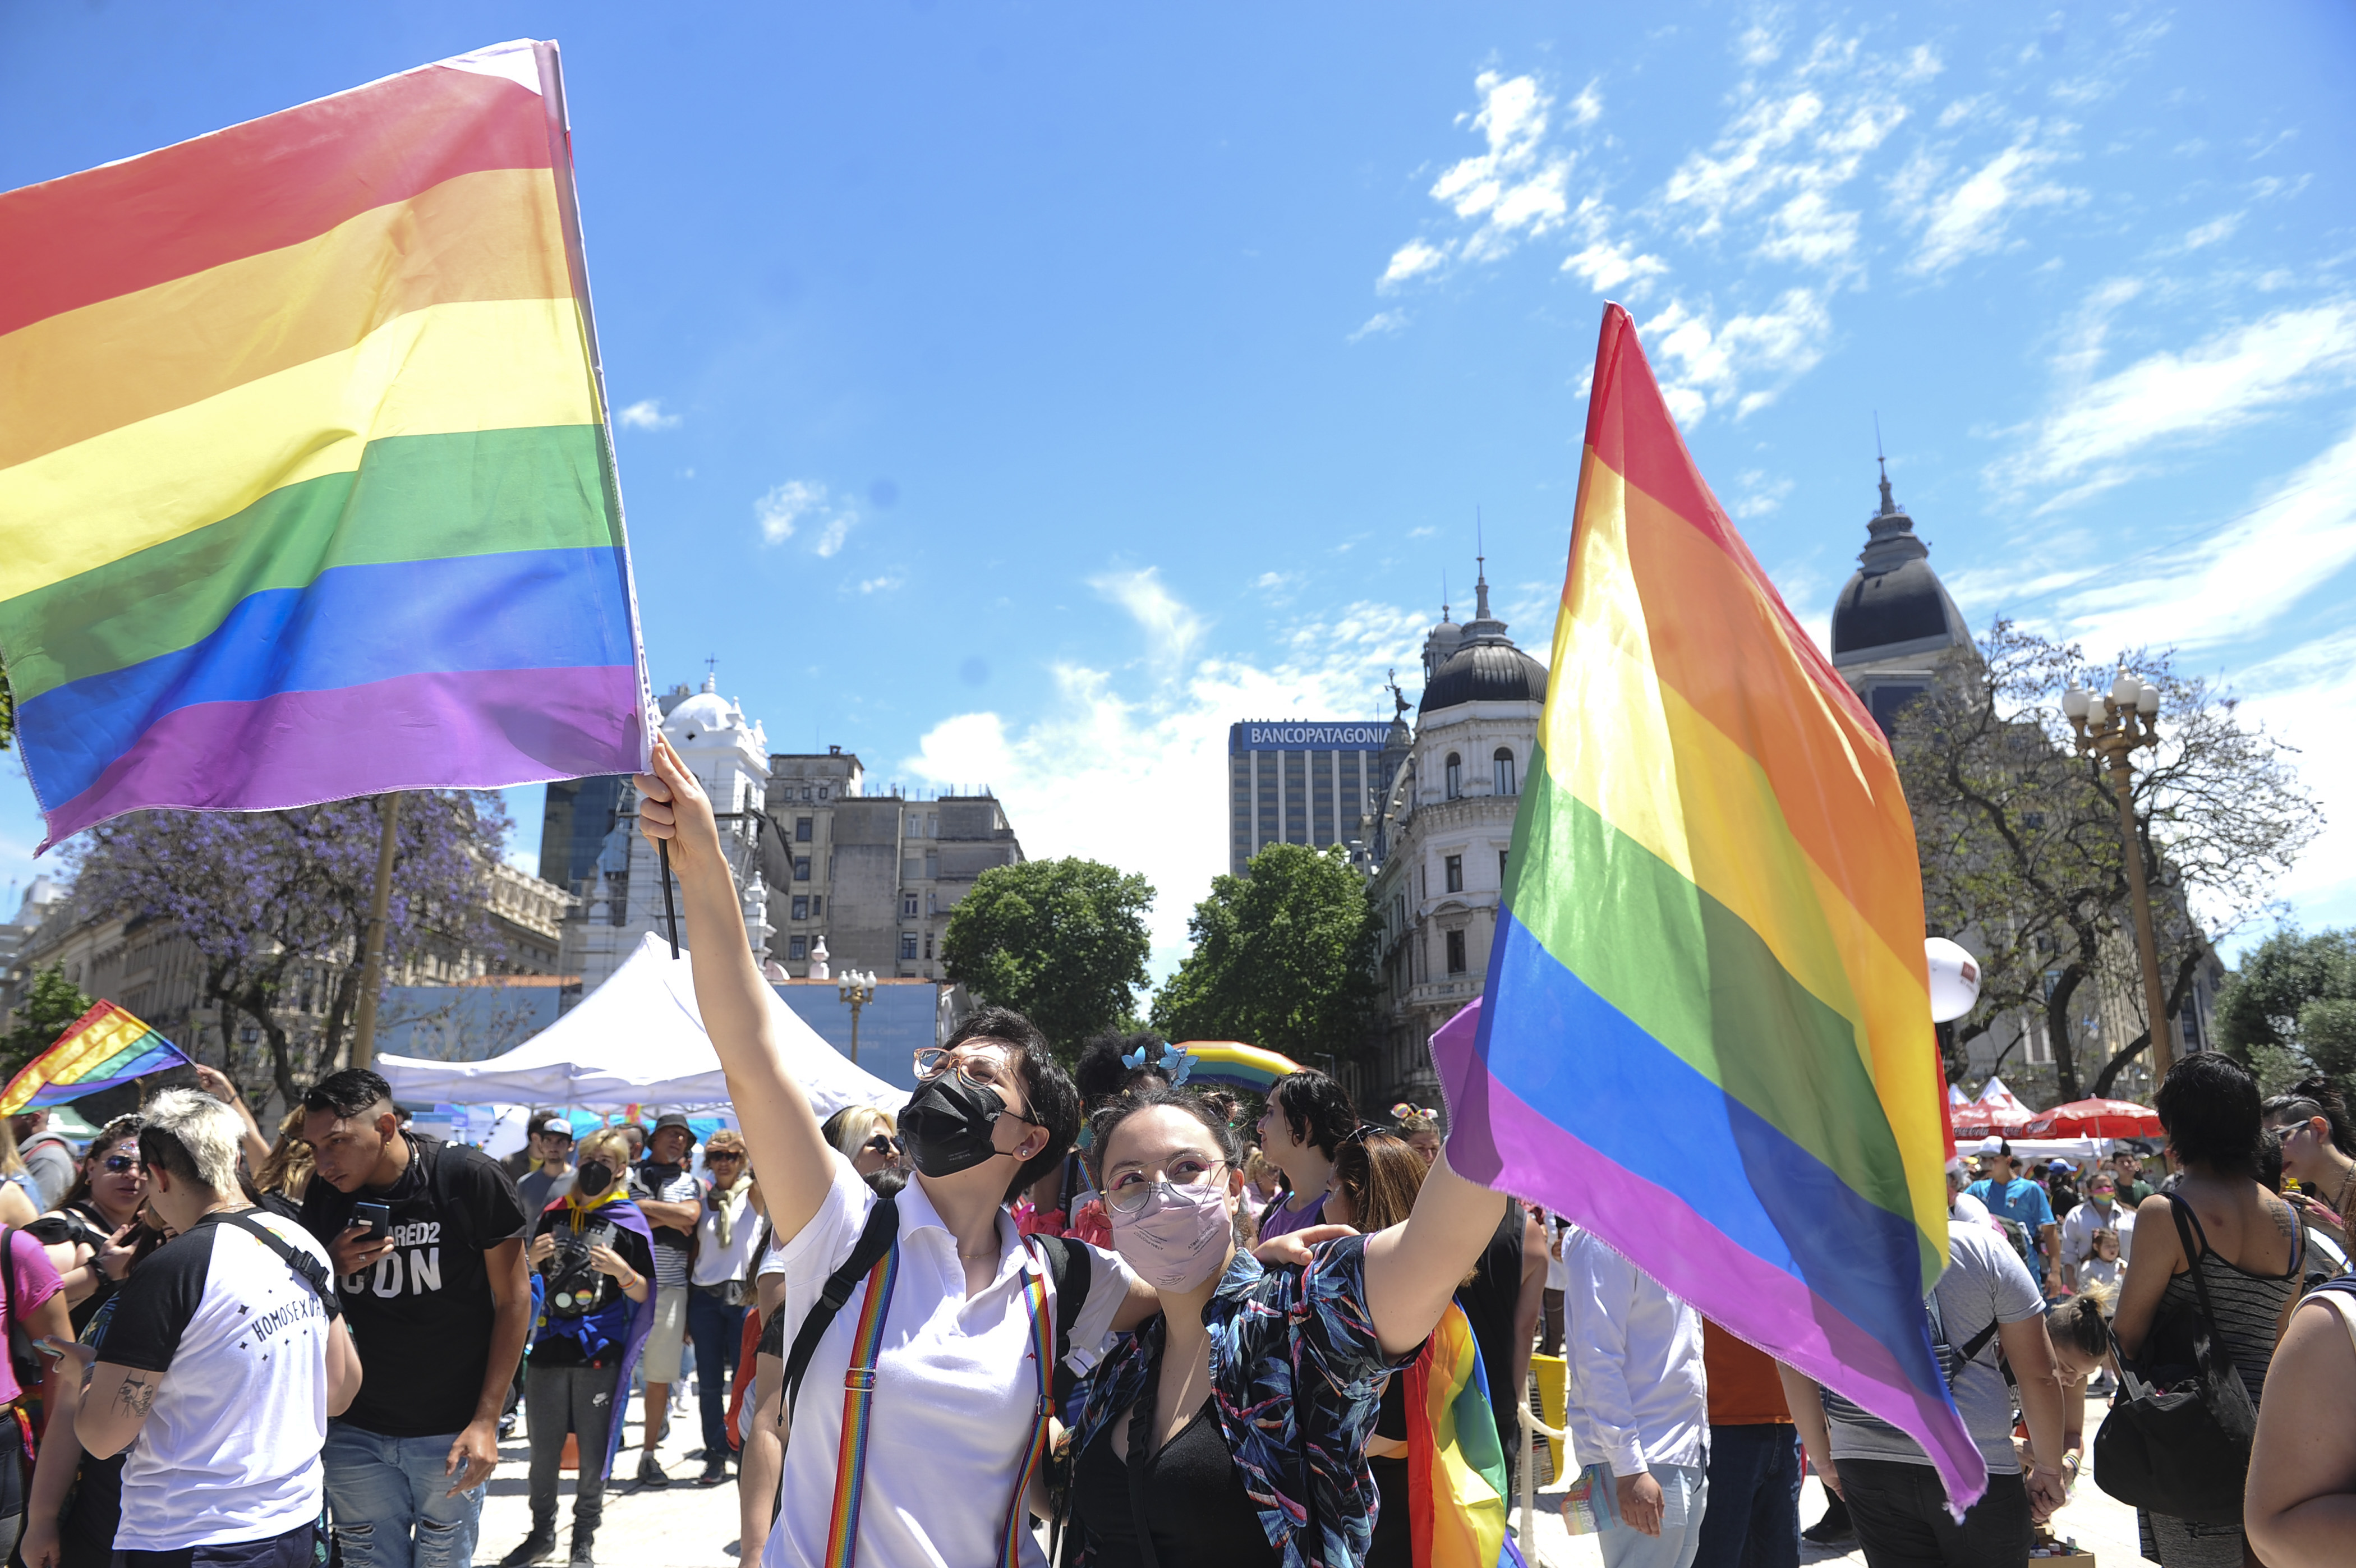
(1888, 505)
(1443, 596)
(1480, 579)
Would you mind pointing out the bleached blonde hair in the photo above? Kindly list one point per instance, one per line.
(194, 1137)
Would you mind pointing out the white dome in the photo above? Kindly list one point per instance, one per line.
(706, 713)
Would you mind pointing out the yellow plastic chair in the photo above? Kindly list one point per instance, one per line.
(1552, 1373)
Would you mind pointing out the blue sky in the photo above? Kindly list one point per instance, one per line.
(1019, 393)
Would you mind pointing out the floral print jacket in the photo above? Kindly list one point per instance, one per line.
(1299, 1377)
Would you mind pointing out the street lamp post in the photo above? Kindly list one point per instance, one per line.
(2111, 725)
(858, 988)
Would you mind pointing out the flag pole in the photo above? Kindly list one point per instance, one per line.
(372, 951)
(671, 905)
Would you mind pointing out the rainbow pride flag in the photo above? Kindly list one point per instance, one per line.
(1234, 1064)
(104, 1047)
(1705, 1031)
(306, 485)
(1460, 1484)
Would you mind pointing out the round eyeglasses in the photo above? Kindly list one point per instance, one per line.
(1130, 1190)
(974, 1073)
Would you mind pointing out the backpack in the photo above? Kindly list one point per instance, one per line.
(2177, 1440)
(1952, 1359)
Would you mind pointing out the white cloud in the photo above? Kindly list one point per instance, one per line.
(880, 585)
(2231, 585)
(2099, 429)
(1516, 190)
(2303, 695)
(1276, 582)
(1105, 758)
(1974, 215)
(1381, 322)
(1171, 627)
(646, 415)
(1588, 107)
(1608, 264)
(786, 510)
(1412, 260)
(2216, 229)
(1762, 494)
(1704, 364)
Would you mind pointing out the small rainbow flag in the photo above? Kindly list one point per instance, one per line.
(1234, 1064)
(104, 1047)
(1706, 1029)
(1459, 1483)
(305, 490)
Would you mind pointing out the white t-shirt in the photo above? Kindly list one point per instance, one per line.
(231, 1449)
(955, 1387)
(1965, 1207)
(715, 1264)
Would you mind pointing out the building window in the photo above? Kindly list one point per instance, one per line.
(932, 902)
(1501, 868)
(821, 793)
(797, 947)
(1455, 776)
(907, 944)
(816, 899)
(803, 828)
(928, 944)
(802, 868)
(907, 905)
(1456, 952)
(1455, 867)
(801, 906)
(1501, 772)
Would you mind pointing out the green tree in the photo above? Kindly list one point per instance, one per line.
(2262, 1000)
(50, 1003)
(1284, 958)
(1061, 941)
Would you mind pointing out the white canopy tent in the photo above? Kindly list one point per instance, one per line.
(637, 1040)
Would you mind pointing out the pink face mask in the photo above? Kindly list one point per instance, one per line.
(1179, 1238)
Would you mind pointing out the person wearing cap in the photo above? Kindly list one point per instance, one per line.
(550, 1177)
(2010, 1196)
(1961, 1203)
(663, 1185)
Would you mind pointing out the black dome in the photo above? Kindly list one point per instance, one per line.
(1484, 672)
(1878, 610)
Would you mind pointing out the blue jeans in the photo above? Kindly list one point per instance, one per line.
(385, 1497)
(1753, 1520)
(717, 1329)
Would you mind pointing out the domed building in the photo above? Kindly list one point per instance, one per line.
(1441, 832)
(1893, 623)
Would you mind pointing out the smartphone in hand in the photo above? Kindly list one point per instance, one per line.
(377, 1216)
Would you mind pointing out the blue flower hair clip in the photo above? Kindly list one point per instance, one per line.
(1134, 1059)
(1178, 1065)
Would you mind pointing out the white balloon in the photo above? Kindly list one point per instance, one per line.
(1955, 979)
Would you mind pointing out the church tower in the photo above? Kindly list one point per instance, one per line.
(1893, 623)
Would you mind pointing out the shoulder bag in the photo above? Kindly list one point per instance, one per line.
(2180, 1445)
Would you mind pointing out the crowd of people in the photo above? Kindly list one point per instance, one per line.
(1103, 1318)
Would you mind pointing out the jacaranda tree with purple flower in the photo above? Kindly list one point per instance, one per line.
(276, 902)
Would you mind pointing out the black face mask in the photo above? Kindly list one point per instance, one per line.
(594, 1177)
(948, 1124)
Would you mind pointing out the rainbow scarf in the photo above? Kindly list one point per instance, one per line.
(1705, 1028)
(104, 1047)
(1460, 1486)
(306, 485)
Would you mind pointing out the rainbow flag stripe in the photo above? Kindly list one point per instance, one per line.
(1235, 1064)
(306, 485)
(104, 1047)
(1459, 1483)
(1705, 1032)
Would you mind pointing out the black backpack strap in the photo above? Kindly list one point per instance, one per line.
(882, 1230)
(1069, 1267)
(303, 1266)
(1970, 1349)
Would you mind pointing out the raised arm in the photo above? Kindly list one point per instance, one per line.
(781, 1131)
(1412, 1269)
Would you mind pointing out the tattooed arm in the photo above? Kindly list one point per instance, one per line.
(114, 1407)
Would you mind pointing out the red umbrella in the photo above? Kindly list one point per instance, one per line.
(2097, 1118)
(1978, 1118)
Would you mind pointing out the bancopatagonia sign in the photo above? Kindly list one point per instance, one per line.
(1307, 736)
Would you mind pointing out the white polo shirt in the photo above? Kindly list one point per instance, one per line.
(955, 1387)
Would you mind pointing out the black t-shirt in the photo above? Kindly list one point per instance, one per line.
(1489, 1303)
(422, 1315)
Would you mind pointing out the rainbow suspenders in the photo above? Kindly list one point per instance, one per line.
(858, 1398)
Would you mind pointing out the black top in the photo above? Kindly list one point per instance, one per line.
(1489, 1303)
(572, 1287)
(1194, 1499)
(421, 1316)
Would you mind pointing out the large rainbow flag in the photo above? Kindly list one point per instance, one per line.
(305, 489)
(1705, 1031)
(1460, 1482)
(104, 1047)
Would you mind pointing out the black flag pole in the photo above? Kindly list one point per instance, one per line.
(671, 906)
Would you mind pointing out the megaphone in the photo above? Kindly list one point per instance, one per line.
(1955, 979)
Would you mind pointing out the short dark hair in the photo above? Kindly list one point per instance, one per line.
(1317, 1109)
(2209, 1105)
(1101, 1072)
(1046, 1087)
(2312, 1097)
(2270, 1166)
(348, 1092)
(1111, 1115)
